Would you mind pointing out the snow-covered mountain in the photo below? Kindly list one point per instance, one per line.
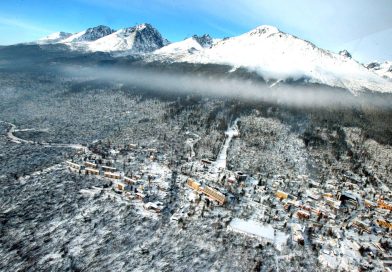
(345, 53)
(382, 69)
(88, 35)
(279, 56)
(275, 55)
(141, 38)
(54, 38)
(178, 50)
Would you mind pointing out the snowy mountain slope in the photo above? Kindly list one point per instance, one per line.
(181, 49)
(141, 38)
(382, 69)
(90, 34)
(54, 38)
(279, 56)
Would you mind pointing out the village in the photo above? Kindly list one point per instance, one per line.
(347, 222)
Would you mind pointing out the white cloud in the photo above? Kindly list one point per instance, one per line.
(24, 25)
(15, 30)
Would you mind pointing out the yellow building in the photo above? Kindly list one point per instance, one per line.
(328, 195)
(281, 195)
(214, 194)
(384, 205)
(383, 223)
(193, 184)
(120, 186)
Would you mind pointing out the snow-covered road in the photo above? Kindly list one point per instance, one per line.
(13, 138)
(231, 132)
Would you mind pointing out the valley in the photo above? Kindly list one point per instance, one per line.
(74, 221)
(121, 151)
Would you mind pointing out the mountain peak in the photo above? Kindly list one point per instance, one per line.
(143, 26)
(264, 30)
(204, 41)
(94, 33)
(382, 69)
(345, 53)
(100, 28)
(139, 27)
(141, 38)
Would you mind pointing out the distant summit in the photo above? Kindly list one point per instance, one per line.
(204, 41)
(345, 53)
(382, 69)
(90, 34)
(141, 38)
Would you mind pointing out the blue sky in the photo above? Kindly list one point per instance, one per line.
(364, 27)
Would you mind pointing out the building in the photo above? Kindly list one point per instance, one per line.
(348, 198)
(335, 204)
(281, 195)
(369, 204)
(384, 223)
(384, 205)
(204, 161)
(90, 165)
(328, 195)
(301, 214)
(74, 166)
(91, 171)
(193, 184)
(361, 225)
(215, 195)
(120, 186)
(140, 196)
(108, 169)
(129, 181)
(240, 176)
(112, 175)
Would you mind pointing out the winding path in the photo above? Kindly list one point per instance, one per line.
(13, 138)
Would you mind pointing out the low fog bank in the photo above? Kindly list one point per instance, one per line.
(296, 94)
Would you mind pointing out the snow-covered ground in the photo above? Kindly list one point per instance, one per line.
(383, 69)
(191, 142)
(231, 132)
(254, 228)
(54, 38)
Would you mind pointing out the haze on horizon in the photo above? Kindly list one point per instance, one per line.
(363, 27)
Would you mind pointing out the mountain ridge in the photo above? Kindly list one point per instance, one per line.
(275, 55)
